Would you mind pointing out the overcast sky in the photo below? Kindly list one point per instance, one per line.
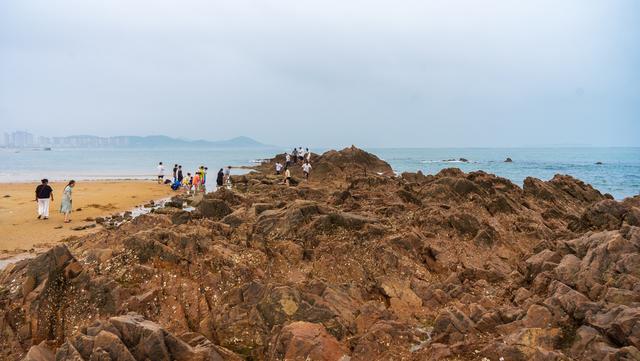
(326, 73)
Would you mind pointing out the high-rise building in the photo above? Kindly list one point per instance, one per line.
(19, 139)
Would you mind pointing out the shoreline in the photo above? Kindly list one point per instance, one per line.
(22, 231)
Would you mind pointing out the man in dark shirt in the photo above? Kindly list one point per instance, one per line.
(220, 179)
(175, 172)
(180, 176)
(44, 196)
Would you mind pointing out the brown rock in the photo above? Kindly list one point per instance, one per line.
(301, 341)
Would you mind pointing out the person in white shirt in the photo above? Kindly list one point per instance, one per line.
(306, 169)
(278, 168)
(300, 154)
(287, 160)
(160, 173)
(308, 155)
(227, 175)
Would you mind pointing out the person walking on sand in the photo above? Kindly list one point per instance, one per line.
(66, 204)
(44, 196)
(220, 178)
(160, 173)
(306, 169)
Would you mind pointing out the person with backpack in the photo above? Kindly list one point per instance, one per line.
(44, 197)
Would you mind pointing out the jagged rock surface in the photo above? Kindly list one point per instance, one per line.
(354, 265)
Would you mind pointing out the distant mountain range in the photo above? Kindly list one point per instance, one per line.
(164, 141)
(153, 141)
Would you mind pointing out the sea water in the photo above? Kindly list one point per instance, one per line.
(619, 173)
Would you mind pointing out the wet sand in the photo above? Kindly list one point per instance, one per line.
(21, 230)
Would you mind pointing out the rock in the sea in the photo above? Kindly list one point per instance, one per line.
(508, 160)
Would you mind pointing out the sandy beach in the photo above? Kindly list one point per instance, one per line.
(21, 230)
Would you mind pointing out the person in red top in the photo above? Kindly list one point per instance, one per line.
(196, 182)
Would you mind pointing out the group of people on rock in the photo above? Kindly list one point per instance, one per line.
(297, 155)
(193, 183)
(44, 197)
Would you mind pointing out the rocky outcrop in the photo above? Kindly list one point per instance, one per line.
(356, 264)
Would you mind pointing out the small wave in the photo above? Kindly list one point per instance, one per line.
(445, 161)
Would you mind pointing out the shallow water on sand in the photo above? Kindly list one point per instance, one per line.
(619, 173)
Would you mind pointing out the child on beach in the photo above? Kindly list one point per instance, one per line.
(66, 204)
(44, 196)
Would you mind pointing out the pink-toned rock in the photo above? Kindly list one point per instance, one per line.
(301, 341)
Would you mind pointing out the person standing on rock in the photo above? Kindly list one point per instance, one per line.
(220, 178)
(186, 182)
(278, 168)
(287, 176)
(294, 154)
(160, 173)
(308, 155)
(66, 204)
(196, 182)
(306, 169)
(175, 172)
(227, 175)
(180, 176)
(44, 196)
(287, 158)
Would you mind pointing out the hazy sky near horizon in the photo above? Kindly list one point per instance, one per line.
(326, 73)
